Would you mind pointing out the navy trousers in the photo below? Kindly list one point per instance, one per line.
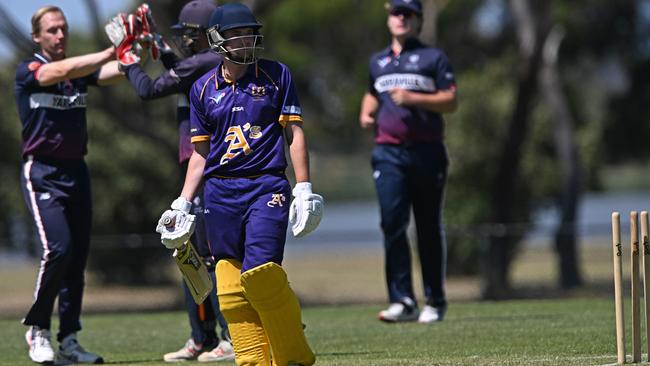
(204, 317)
(57, 194)
(412, 177)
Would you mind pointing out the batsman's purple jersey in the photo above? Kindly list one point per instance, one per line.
(246, 192)
(244, 120)
(419, 69)
(53, 117)
(178, 79)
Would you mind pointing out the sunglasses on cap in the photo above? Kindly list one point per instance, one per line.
(406, 13)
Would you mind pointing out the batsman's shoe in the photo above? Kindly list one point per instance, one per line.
(398, 312)
(222, 352)
(430, 314)
(40, 347)
(189, 352)
(70, 352)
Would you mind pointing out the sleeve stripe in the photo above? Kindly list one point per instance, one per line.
(200, 138)
(286, 118)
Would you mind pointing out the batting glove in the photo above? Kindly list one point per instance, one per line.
(176, 226)
(306, 210)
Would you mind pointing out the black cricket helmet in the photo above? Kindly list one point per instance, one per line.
(243, 49)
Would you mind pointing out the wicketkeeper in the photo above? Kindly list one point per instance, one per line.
(190, 40)
(242, 113)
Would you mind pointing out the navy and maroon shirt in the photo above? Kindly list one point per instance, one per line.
(417, 68)
(178, 79)
(244, 120)
(53, 117)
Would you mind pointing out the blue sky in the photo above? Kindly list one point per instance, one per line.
(75, 11)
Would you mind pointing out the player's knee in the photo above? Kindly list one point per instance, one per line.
(229, 289)
(266, 286)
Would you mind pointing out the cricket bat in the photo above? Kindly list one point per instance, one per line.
(194, 271)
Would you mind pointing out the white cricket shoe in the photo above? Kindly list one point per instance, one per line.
(222, 352)
(430, 314)
(40, 347)
(189, 352)
(70, 351)
(398, 312)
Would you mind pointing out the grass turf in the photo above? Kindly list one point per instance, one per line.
(524, 332)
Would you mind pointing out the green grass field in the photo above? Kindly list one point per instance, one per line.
(525, 332)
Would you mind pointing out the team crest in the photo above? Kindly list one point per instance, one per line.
(258, 91)
(276, 200)
(383, 62)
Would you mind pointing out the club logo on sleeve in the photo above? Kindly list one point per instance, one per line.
(291, 109)
(276, 200)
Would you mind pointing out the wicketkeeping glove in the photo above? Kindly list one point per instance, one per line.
(122, 30)
(306, 210)
(176, 225)
(149, 36)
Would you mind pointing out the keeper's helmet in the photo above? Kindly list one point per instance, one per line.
(239, 48)
(193, 20)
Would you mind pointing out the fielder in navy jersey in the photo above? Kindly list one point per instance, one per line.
(242, 113)
(51, 93)
(411, 86)
(204, 344)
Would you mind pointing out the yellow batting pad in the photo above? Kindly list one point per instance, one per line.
(267, 289)
(248, 337)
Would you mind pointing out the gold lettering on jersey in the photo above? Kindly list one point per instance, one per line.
(256, 132)
(276, 200)
(237, 143)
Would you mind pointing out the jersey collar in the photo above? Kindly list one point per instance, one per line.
(251, 71)
(410, 44)
(41, 57)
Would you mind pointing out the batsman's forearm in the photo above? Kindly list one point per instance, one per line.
(299, 155)
(194, 176)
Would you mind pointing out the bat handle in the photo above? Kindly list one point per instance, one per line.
(169, 222)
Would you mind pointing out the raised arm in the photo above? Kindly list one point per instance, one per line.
(109, 74)
(73, 67)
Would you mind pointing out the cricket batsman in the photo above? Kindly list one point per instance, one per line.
(190, 38)
(242, 113)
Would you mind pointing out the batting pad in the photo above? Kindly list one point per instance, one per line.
(267, 289)
(248, 337)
